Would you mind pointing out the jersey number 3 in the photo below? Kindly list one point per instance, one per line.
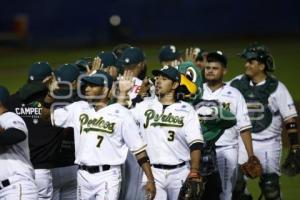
(100, 138)
(171, 136)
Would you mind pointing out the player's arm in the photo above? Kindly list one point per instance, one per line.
(291, 127)
(52, 85)
(194, 138)
(125, 84)
(195, 154)
(289, 114)
(144, 162)
(11, 136)
(244, 124)
(46, 113)
(247, 140)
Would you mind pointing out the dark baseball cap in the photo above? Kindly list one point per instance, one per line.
(4, 95)
(99, 78)
(39, 71)
(83, 64)
(67, 72)
(169, 72)
(168, 53)
(201, 53)
(108, 59)
(131, 55)
(217, 56)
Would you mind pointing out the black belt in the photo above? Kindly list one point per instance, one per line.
(4, 183)
(94, 169)
(168, 166)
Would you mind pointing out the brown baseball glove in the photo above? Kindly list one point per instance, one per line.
(252, 168)
(192, 188)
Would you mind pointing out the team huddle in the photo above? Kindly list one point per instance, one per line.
(99, 128)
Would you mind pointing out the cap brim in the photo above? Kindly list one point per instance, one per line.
(157, 72)
(91, 80)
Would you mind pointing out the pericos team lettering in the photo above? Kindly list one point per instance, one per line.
(95, 124)
(169, 120)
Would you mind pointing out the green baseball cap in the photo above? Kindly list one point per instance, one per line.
(67, 72)
(82, 64)
(169, 72)
(131, 55)
(39, 71)
(4, 95)
(99, 78)
(108, 59)
(168, 53)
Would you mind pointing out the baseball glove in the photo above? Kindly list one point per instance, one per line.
(291, 165)
(252, 168)
(192, 188)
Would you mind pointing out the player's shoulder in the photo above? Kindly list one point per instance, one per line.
(79, 104)
(12, 117)
(236, 78)
(231, 91)
(281, 87)
(183, 106)
(117, 110)
(147, 102)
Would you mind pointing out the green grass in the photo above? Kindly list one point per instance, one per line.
(14, 63)
(14, 66)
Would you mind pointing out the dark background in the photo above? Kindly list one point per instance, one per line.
(71, 23)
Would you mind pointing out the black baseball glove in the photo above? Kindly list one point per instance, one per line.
(291, 165)
(192, 188)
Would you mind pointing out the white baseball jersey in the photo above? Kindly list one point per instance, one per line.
(15, 159)
(100, 136)
(282, 108)
(230, 98)
(168, 132)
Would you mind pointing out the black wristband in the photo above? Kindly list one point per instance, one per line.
(291, 125)
(196, 146)
(143, 160)
(46, 105)
(293, 138)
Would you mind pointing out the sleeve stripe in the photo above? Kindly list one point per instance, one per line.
(195, 141)
(52, 117)
(290, 116)
(139, 150)
(245, 127)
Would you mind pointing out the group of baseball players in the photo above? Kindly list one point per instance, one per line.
(99, 128)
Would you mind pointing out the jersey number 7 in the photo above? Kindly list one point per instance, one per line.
(100, 138)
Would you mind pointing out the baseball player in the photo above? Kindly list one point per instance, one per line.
(64, 172)
(214, 120)
(109, 60)
(103, 133)
(16, 171)
(133, 60)
(44, 139)
(270, 105)
(169, 55)
(172, 132)
(232, 100)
